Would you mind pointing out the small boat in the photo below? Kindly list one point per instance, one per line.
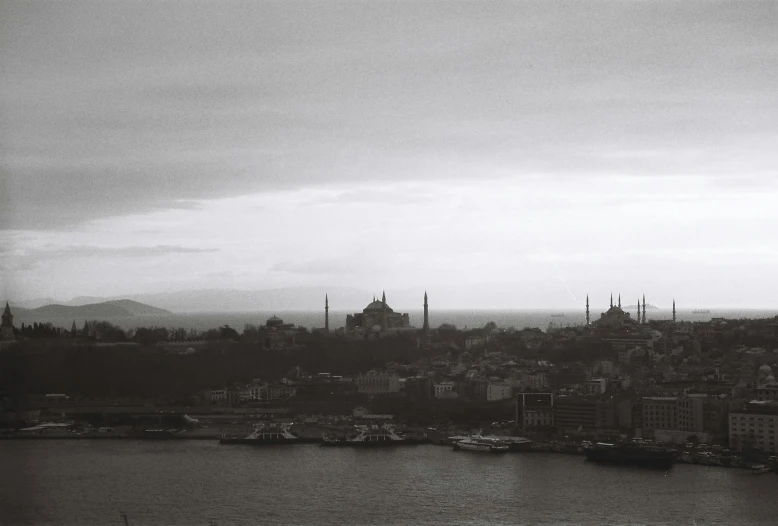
(760, 469)
(374, 436)
(477, 443)
(515, 444)
(159, 434)
(264, 435)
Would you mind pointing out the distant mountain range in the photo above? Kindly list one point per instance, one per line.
(212, 300)
(123, 308)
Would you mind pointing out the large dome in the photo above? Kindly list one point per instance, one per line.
(378, 305)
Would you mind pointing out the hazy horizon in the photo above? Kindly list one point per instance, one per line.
(214, 301)
(496, 154)
(461, 318)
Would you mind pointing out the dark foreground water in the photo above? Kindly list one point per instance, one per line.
(197, 483)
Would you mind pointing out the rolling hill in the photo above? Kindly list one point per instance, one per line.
(107, 309)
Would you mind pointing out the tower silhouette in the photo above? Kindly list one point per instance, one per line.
(326, 313)
(383, 309)
(673, 310)
(644, 309)
(426, 327)
(587, 309)
(619, 300)
(638, 318)
(7, 324)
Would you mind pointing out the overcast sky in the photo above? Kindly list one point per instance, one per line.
(517, 154)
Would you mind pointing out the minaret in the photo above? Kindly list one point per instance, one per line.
(587, 310)
(644, 309)
(326, 313)
(611, 300)
(7, 317)
(619, 300)
(426, 327)
(383, 309)
(7, 325)
(673, 310)
(638, 318)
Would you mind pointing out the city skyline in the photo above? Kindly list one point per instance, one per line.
(503, 155)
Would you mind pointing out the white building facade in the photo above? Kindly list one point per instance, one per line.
(374, 382)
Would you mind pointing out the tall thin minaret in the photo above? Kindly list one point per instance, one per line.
(7, 324)
(619, 300)
(644, 309)
(587, 310)
(673, 310)
(426, 327)
(638, 318)
(383, 309)
(611, 300)
(326, 313)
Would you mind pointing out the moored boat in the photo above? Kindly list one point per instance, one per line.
(477, 443)
(515, 444)
(761, 469)
(373, 436)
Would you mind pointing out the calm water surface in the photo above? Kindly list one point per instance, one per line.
(190, 483)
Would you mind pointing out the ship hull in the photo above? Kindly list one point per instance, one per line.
(260, 442)
(370, 444)
(481, 448)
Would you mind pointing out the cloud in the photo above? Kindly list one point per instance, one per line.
(158, 250)
(126, 109)
(26, 259)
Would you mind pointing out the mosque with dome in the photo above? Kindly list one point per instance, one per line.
(616, 318)
(378, 315)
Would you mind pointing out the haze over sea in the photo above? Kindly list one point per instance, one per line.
(462, 319)
(193, 482)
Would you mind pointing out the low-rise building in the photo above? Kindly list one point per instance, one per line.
(218, 395)
(538, 419)
(767, 393)
(498, 391)
(583, 413)
(673, 413)
(442, 388)
(281, 391)
(755, 427)
(374, 382)
(596, 386)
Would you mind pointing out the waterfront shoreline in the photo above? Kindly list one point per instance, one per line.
(540, 447)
